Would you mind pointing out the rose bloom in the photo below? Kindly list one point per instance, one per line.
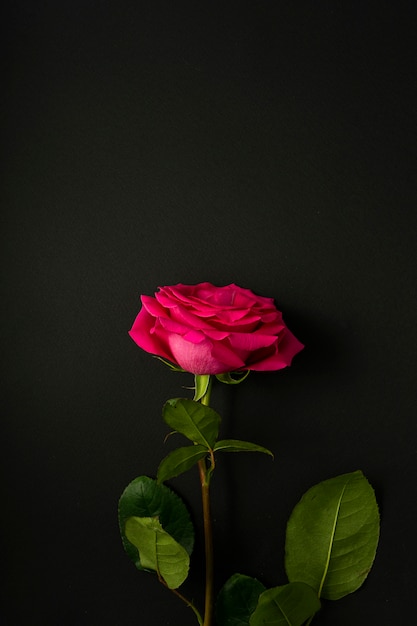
(204, 329)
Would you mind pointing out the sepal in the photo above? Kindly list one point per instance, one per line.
(172, 366)
(233, 378)
(202, 383)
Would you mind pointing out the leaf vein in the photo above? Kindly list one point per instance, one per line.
(326, 567)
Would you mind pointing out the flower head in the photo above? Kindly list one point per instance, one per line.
(205, 329)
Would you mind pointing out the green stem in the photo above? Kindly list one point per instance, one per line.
(208, 541)
(184, 599)
(208, 530)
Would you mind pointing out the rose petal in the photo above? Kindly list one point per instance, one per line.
(145, 333)
(249, 342)
(195, 358)
(288, 347)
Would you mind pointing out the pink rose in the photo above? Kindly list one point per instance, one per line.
(205, 329)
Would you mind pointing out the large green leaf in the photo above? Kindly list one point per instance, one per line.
(332, 536)
(237, 600)
(144, 497)
(179, 461)
(194, 420)
(288, 605)
(158, 551)
(235, 445)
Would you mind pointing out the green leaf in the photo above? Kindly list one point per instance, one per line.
(180, 461)
(237, 600)
(197, 422)
(288, 605)
(158, 550)
(332, 536)
(235, 445)
(144, 497)
(228, 379)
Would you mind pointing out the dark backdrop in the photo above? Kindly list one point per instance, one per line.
(266, 143)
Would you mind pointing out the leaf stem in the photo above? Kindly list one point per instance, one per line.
(184, 599)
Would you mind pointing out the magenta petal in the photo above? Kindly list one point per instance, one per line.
(152, 306)
(251, 341)
(195, 336)
(194, 358)
(231, 359)
(288, 347)
(190, 318)
(172, 326)
(146, 333)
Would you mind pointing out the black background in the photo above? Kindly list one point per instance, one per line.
(267, 143)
